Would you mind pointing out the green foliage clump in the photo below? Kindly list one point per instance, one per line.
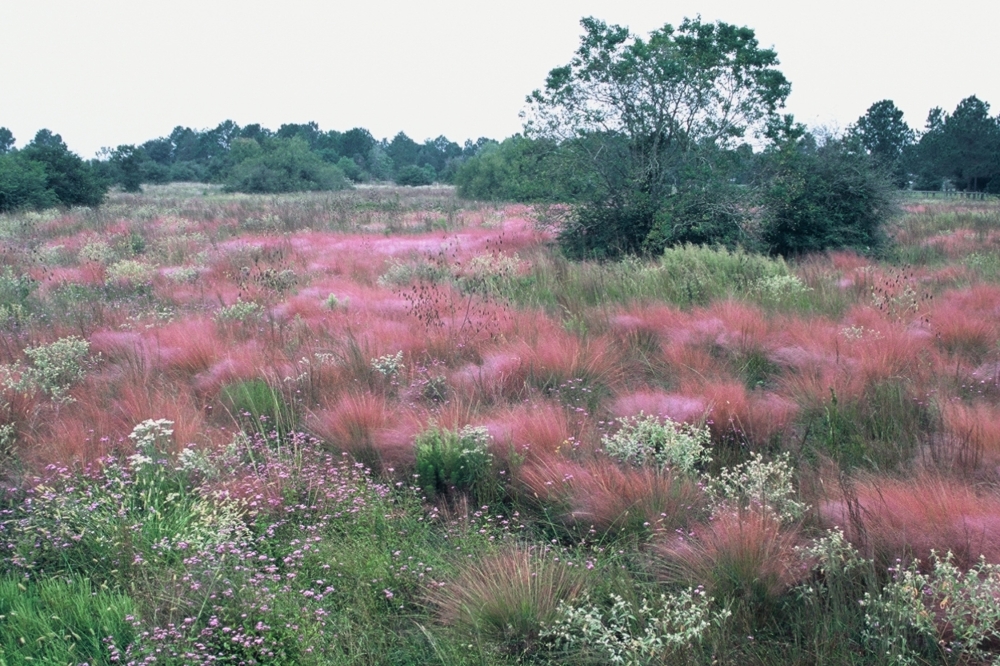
(240, 311)
(281, 165)
(824, 198)
(23, 185)
(413, 175)
(757, 484)
(662, 443)
(54, 368)
(944, 615)
(257, 405)
(450, 460)
(698, 274)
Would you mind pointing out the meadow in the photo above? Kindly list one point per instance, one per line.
(386, 426)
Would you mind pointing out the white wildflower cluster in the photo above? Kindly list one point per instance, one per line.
(150, 439)
(627, 634)
(947, 607)
(777, 288)
(757, 484)
(663, 443)
(388, 365)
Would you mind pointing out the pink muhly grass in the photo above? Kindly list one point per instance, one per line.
(742, 555)
(611, 499)
(187, 347)
(500, 377)
(360, 424)
(965, 321)
(508, 596)
(892, 519)
(534, 429)
(679, 407)
(972, 434)
(755, 417)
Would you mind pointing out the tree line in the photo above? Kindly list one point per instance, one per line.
(296, 157)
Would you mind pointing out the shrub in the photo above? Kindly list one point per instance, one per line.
(758, 486)
(413, 175)
(667, 628)
(448, 460)
(825, 198)
(240, 311)
(57, 366)
(662, 443)
(943, 615)
(23, 185)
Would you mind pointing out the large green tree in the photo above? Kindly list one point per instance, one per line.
(72, 180)
(963, 147)
(885, 136)
(644, 115)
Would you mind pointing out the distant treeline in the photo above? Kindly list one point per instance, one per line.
(960, 151)
(296, 157)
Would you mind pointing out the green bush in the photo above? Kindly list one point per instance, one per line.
(662, 443)
(23, 185)
(818, 199)
(448, 460)
(413, 175)
(281, 165)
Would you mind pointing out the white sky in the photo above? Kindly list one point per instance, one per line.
(108, 72)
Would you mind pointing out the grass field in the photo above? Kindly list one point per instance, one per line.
(389, 427)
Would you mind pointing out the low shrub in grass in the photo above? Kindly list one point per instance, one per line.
(941, 615)
(53, 368)
(666, 629)
(449, 461)
(695, 274)
(661, 443)
(61, 621)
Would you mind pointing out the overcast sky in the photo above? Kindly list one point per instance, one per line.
(108, 72)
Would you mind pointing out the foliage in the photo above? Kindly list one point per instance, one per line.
(240, 311)
(388, 364)
(823, 198)
(945, 614)
(640, 115)
(258, 406)
(53, 368)
(412, 175)
(23, 184)
(61, 621)
(450, 460)
(72, 180)
(667, 628)
(885, 136)
(662, 443)
(755, 485)
(962, 148)
(282, 165)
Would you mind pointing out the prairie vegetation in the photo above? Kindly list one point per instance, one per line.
(386, 426)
